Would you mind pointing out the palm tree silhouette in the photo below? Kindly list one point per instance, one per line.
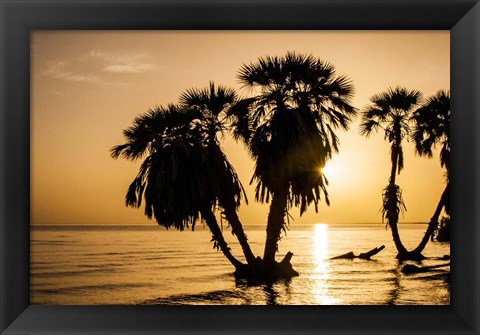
(391, 111)
(213, 103)
(432, 127)
(288, 125)
(184, 174)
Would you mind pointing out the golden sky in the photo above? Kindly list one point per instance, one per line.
(87, 86)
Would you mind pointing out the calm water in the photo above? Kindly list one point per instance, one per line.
(89, 265)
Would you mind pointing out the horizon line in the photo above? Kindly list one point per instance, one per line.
(254, 224)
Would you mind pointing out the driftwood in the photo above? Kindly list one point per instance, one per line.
(410, 268)
(365, 255)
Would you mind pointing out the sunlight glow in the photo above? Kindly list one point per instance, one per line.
(338, 170)
(322, 269)
(327, 170)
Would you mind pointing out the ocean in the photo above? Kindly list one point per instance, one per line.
(130, 265)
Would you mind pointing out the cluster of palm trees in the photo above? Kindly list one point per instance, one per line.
(287, 122)
(403, 114)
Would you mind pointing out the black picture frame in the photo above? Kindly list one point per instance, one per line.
(19, 17)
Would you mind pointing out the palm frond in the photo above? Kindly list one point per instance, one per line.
(212, 99)
(290, 123)
(368, 126)
(432, 127)
(184, 172)
(391, 111)
(241, 123)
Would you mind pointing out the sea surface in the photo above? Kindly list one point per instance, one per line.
(88, 265)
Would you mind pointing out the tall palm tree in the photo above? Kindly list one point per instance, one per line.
(183, 175)
(432, 127)
(288, 124)
(391, 112)
(213, 102)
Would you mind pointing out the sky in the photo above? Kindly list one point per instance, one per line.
(87, 86)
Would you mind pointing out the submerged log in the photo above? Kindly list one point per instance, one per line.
(373, 252)
(410, 268)
(365, 255)
(348, 255)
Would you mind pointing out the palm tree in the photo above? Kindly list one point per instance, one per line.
(213, 103)
(288, 125)
(432, 127)
(183, 175)
(391, 112)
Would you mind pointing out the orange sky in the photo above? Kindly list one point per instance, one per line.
(87, 86)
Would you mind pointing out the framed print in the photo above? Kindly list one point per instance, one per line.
(172, 107)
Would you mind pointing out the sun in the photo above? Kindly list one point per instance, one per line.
(327, 170)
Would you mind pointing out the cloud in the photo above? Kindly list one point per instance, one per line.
(57, 70)
(60, 70)
(130, 68)
(123, 62)
(98, 62)
(54, 68)
(99, 54)
(60, 94)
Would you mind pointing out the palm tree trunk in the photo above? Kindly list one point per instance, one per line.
(402, 251)
(275, 223)
(393, 171)
(217, 235)
(433, 221)
(393, 222)
(237, 229)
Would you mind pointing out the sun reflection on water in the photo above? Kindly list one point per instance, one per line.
(322, 267)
